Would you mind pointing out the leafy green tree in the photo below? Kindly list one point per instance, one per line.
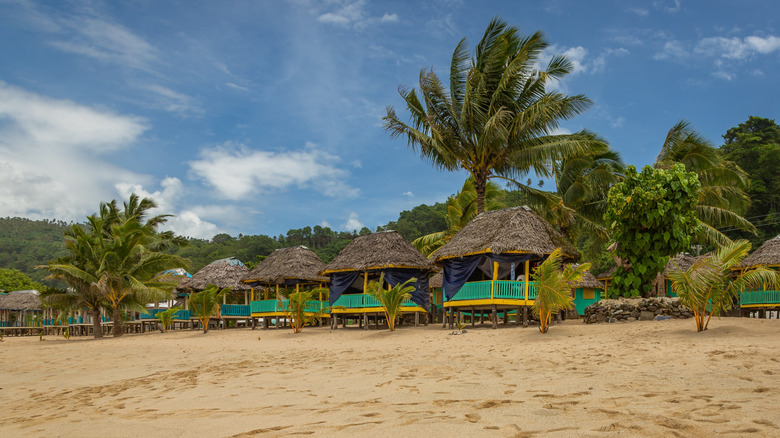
(497, 119)
(205, 304)
(709, 286)
(553, 287)
(651, 216)
(391, 299)
(12, 280)
(721, 198)
(755, 147)
(461, 209)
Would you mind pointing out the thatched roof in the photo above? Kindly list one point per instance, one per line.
(680, 261)
(20, 300)
(297, 262)
(386, 249)
(509, 229)
(767, 254)
(224, 273)
(436, 280)
(589, 281)
(606, 275)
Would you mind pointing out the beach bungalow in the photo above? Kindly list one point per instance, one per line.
(283, 271)
(227, 272)
(364, 260)
(182, 317)
(487, 265)
(586, 292)
(763, 302)
(21, 308)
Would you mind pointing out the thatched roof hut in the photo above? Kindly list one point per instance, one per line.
(288, 266)
(607, 275)
(516, 229)
(680, 261)
(767, 254)
(21, 300)
(226, 272)
(588, 281)
(436, 280)
(386, 249)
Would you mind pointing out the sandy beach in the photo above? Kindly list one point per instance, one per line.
(652, 378)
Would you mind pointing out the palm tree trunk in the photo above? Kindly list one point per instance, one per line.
(117, 321)
(97, 328)
(480, 181)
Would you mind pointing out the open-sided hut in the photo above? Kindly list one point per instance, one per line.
(285, 270)
(224, 273)
(487, 264)
(586, 292)
(365, 259)
(765, 299)
(20, 309)
(176, 276)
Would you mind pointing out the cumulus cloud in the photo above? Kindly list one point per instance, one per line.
(353, 223)
(53, 155)
(579, 57)
(352, 13)
(389, 18)
(409, 194)
(238, 172)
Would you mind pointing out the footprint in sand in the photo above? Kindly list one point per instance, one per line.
(473, 418)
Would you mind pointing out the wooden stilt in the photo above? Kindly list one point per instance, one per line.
(443, 317)
(525, 316)
(494, 317)
(460, 317)
(481, 317)
(473, 316)
(517, 316)
(416, 319)
(506, 317)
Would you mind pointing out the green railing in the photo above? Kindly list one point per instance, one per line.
(760, 297)
(269, 306)
(181, 314)
(234, 309)
(502, 289)
(359, 301)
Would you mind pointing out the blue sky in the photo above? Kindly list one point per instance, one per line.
(261, 116)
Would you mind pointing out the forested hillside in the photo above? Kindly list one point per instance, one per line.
(26, 243)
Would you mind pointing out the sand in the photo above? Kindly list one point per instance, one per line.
(651, 378)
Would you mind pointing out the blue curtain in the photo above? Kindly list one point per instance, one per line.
(339, 282)
(458, 270)
(420, 294)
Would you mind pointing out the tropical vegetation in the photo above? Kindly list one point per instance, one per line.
(166, 318)
(709, 287)
(204, 305)
(553, 287)
(497, 119)
(391, 298)
(650, 217)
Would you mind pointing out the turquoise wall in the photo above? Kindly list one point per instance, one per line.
(581, 303)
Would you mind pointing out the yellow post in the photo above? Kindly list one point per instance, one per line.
(277, 291)
(297, 287)
(495, 277)
(365, 286)
(527, 277)
(252, 294)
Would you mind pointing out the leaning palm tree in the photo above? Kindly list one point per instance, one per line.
(391, 299)
(722, 197)
(709, 286)
(497, 120)
(205, 304)
(461, 209)
(553, 287)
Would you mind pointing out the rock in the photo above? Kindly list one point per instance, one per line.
(646, 316)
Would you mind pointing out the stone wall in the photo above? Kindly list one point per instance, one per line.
(631, 309)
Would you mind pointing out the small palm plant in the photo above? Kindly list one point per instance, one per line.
(166, 318)
(553, 287)
(391, 299)
(296, 310)
(709, 286)
(205, 304)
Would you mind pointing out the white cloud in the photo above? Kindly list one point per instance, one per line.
(238, 172)
(357, 164)
(353, 223)
(173, 101)
(236, 86)
(639, 11)
(671, 49)
(52, 152)
(671, 7)
(389, 18)
(580, 61)
(409, 194)
(325, 224)
(724, 75)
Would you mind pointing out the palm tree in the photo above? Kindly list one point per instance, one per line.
(205, 304)
(166, 318)
(710, 284)
(553, 287)
(579, 201)
(722, 197)
(391, 299)
(497, 120)
(461, 209)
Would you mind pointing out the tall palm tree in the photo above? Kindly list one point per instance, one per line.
(461, 209)
(722, 197)
(497, 120)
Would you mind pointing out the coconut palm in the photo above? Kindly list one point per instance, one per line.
(722, 197)
(553, 287)
(166, 318)
(497, 120)
(392, 298)
(205, 304)
(296, 308)
(581, 185)
(709, 286)
(461, 209)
